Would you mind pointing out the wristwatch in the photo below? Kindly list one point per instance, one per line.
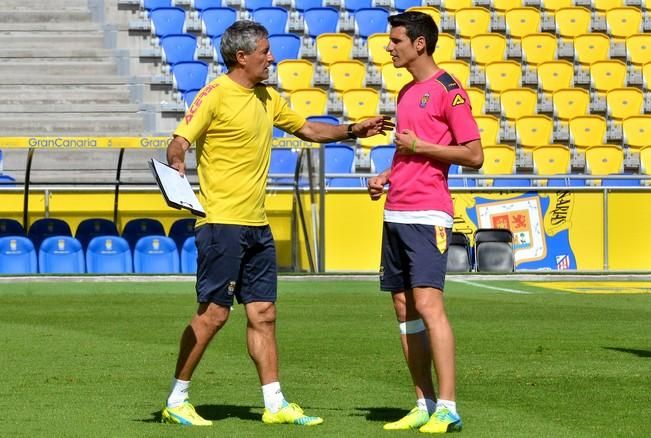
(351, 134)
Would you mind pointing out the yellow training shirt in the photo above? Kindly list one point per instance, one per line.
(232, 127)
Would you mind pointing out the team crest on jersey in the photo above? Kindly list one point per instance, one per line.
(458, 100)
(424, 100)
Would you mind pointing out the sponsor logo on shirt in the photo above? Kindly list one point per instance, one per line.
(458, 100)
(197, 102)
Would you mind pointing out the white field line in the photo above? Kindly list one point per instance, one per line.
(485, 286)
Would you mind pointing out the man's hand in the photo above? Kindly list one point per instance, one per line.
(406, 142)
(376, 186)
(373, 126)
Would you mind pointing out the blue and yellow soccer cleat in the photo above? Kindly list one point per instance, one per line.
(183, 414)
(413, 420)
(290, 413)
(442, 421)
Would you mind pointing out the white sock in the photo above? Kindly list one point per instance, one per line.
(273, 397)
(449, 404)
(426, 404)
(179, 393)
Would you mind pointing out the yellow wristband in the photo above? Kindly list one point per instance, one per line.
(413, 146)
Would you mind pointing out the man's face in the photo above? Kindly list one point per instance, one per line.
(258, 61)
(401, 48)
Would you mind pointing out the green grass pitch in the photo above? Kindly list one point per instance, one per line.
(95, 359)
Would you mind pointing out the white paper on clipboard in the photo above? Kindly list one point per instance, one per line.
(176, 188)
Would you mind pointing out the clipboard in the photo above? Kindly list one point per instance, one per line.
(175, 188)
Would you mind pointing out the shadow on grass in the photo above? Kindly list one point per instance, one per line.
(216, 413)
(381, 414)
(639, 353)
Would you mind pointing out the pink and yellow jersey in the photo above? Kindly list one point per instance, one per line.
(232, 128)
(438, 111)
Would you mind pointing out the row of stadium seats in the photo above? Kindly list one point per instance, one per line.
(104, 255)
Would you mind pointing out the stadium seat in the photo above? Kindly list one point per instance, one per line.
(274, 19)
(360, 103)
(519, 22)
(285, 46)
(536, 49)
(458, 253)
(333, 47)
(622, 23)
(43, 228)
(645, 163)
(532, 131)
(620, 104)
(309, 101)
(346, 75)
(369, 21)
(189, 256)
(403, 5)
(589, 48)
(214, 21)
(17, 255)
(638, 53)
(552, 76)
(494, 250)
(516, 103)
(219, 63)
(181, 229)
(61, 255)
(149, 5)
(605, 159)
(283, 161)
(93, 227)
(381, 157)
(188, 97)
(500, 76)
(605, 76)
(339, 158)
(156, 255)
(11, 227)
(446, 48)
(636, 131)
(477, 98)
(137, 228)
(393, 79)
(486, 48)
(469, 22)
(551, 159)
(320, 20)
(167, 21)
(550, 7)
(459, 69)
(489, 129)
(294, 74)
(499, 159)
(108, 255)
(177, 48)
(377, 49)
(586, 131)
(569, 103)
(202, 5)
(189, 75)
(572, 22)
(253, 5)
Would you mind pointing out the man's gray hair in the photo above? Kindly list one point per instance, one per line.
(241, 35)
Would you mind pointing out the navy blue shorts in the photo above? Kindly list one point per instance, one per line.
(235, 261)
(413, 255)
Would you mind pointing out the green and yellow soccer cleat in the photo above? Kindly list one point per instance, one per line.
(413, 420)
(442, 421)
(183, 414)
(290, 413)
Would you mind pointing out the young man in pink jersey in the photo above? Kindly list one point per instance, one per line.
(435, 128)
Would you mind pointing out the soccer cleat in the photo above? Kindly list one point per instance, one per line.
(290, 413)
(183, 414)
(413, 420)
(442, 421)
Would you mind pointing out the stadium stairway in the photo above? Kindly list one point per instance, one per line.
(62, 74)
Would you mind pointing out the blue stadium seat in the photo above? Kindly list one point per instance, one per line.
(214, 21)
(353, 5)
(252, 5)
(339, 158)
(189, 256)
(370, 20)
(89, 228)
(156, 255)
(178, 48)
(108, 255)
(283, 160)
(137, 228)
(167, 21)
(272, 18)
(201, 5)
(320, 20)
(149, 5)
(61, 255)
(181, 229)
(324, 119)
(188, 97)
(284, 46)
(11, 227)
(303, 5)
(190, 75)
(381, 157)
(403, 5)
(17, 255)
(40, 229)
(217, 53)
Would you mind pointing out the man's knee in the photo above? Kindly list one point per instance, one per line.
(261, 313)
(213, 315)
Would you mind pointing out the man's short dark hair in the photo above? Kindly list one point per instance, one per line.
(417, 24)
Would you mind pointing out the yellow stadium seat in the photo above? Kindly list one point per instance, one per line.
(309, 101)
(572, 21)
(432, 12)
(503, 75)
(606, 76)
(294, 74)
(636, 131)
(624, 102)
(551, 159)
(499, 159)
(451, 7)
(471, 21)
(589, 48)
(601, 6)
(586, 131)
(604, 159)
(567, 104)
(393, 79)
(537, 48)
(486, 48)
(345, 75)
(554, 75)
(333, 47)
(533, 131)
(489, 129)
(459, 69)
(516, 103)
(377, 49)
(359, 103)
(645, 162)
(477, 100)
(520, 22)
(623, 22)
(638, 51)
(446, 47)
(499, 8)
(551, 6)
